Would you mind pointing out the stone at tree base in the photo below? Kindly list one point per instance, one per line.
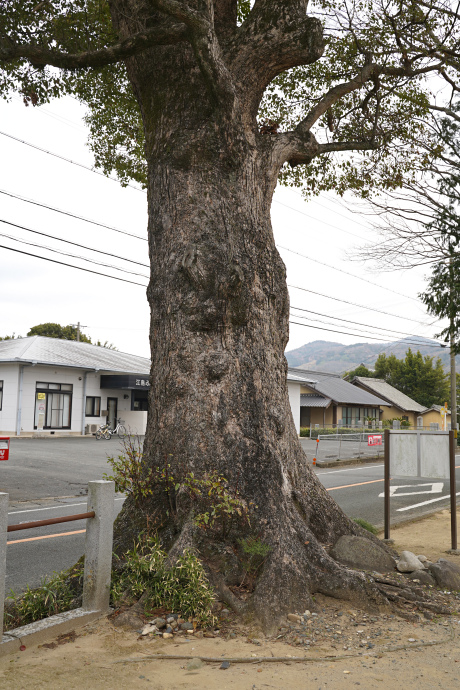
(408, 563)
(194, 664)
(446, 574)
(423, 576)
(362, 554)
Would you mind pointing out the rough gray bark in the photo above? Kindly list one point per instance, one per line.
(219, 303)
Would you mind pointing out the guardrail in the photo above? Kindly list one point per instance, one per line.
(98, 552)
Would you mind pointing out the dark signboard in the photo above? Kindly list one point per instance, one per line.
(127, 381)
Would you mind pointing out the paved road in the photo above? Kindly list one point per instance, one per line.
(61, 468)
(39, 468)
(359, 492)
(34, 553)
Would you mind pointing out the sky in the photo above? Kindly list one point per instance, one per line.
(309, 235)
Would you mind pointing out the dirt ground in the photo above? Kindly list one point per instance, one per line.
(339, 647)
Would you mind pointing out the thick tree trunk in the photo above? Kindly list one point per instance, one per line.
(219, 327)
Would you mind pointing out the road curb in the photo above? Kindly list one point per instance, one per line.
(350, 461)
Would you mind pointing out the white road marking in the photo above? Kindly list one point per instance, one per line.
(425, 503)
(60, 505)
(436, 488)
(350, 469)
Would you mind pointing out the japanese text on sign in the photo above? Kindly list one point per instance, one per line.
(375, 440)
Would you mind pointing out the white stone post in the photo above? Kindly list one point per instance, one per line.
(98, 546)
(3, 534)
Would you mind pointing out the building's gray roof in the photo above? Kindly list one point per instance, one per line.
(68, 353)
(434, 408)
(310, 400)
(341, 391)
(299, 377)
(389, 393)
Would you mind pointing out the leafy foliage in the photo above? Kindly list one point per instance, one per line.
(182, 587)
(418, 377)
(54, 595)
(55, 330)
(366, 525)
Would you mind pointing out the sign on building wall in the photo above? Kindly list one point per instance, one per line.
(41, 410)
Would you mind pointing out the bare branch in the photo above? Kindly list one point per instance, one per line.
(447, 111)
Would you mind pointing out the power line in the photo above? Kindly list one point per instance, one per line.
(358, 323)
(323, 222)
(68, 160)
(79, 268)
(366, 332)
(354, 304)
(82, 246)
(73, 256)
(72, 215)
(353, 275)
(320, 328)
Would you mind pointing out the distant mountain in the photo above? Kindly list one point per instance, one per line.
(323, 355)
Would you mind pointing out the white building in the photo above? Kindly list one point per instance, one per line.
(61, 387)
(69, 388)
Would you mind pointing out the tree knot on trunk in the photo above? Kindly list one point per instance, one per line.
(191, 266)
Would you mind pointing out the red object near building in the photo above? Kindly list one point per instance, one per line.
(4, 447)
(374, 440)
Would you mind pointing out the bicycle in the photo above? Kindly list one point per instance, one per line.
(106, 432)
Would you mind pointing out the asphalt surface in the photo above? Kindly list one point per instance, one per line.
(48, 478)
(40, 468)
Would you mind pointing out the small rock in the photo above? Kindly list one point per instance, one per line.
(170, 620)
(446, 574)
(186, 626)
(224, 613)
(307, 613)
(362, 553)
(232, 635)
(173, 624)
(194, 664)
(168, 629)
(180, 620)
(160, 623)
(294, 618)
(422, 559)
(422, 576)
(199, 634)
(149, 628)
(167, 636)
(411, 639)
(224, 665)
(408, 563)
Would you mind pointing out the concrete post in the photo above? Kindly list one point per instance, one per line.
(98, 546)
(3, 535)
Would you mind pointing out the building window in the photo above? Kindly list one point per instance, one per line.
(1, 394)
(353, 415)
(93, 406)
(56, 399)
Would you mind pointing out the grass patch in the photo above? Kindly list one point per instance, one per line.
(55, 595)
(366, 525)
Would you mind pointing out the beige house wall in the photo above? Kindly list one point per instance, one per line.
(434, 417)
(392, 412)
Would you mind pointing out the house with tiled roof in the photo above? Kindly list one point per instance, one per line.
(63, 387)
(328, 399)
(399, 404)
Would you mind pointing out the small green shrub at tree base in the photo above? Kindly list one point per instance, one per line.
(182, 587)
(366, 525)
(254, 554)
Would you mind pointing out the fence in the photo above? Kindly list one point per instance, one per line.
(348, 445)
(98, 553)
(372, 427)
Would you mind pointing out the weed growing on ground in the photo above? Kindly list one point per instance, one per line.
(366, 525)
(53, 596)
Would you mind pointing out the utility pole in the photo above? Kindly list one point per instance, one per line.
(453, 373)
(78, 326)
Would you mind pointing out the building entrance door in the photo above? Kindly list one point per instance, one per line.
(112, 409)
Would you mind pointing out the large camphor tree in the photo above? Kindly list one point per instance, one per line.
(209, 103)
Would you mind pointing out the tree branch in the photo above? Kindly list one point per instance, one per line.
(206, 47)
(447, 111)
(40, 57)
(276, 36)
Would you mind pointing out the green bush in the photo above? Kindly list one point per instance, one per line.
(182, 588)
(53, 596)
